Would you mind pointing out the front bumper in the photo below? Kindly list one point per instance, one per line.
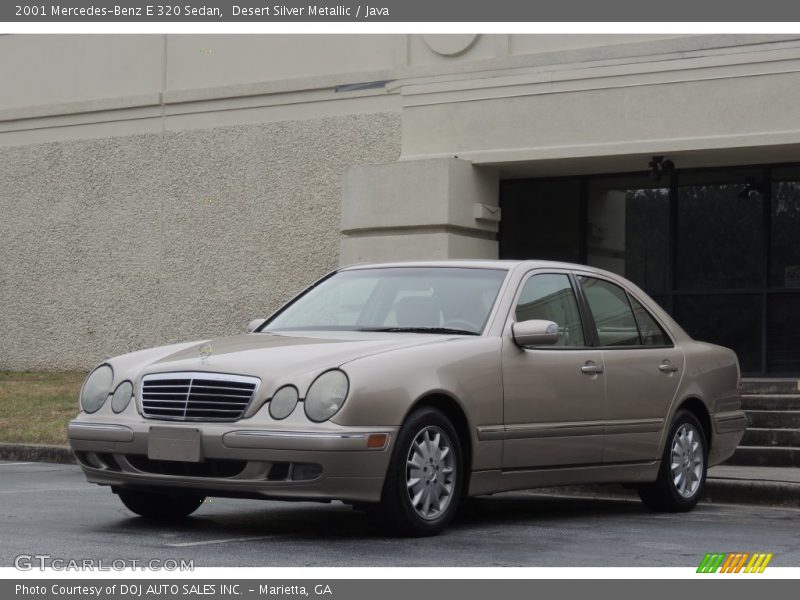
(333, 463)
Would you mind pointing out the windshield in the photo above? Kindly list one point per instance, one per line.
(423, 300)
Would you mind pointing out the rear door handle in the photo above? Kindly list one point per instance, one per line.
(667, 367)
(591, 368)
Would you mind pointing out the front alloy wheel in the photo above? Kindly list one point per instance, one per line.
(425, 478)
(431, 473)
(683, 467)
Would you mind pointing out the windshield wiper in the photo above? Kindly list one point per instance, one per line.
(444, 330)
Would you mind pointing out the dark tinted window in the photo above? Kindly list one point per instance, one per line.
(550, 297)
(542, 220)
(785, 224)
(783, 333)
(728, 320)
(612, 313)
(719, 215)
(628, 229)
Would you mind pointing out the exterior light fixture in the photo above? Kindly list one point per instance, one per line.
(658, 166)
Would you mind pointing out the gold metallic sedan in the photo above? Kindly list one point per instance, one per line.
(403, 388)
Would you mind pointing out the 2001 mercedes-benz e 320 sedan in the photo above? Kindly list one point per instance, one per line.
(406, 387)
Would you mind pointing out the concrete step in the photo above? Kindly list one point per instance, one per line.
(771, 437)
(771, 401)
(765, 456)
(768, 493)
(771, 386)
(773, 419)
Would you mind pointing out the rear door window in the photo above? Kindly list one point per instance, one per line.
(613, 315)
(650, 331)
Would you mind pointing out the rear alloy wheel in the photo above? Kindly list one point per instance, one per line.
(153, 505)
(424, 482)
(682, 474)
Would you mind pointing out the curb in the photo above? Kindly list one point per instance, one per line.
(37, 453)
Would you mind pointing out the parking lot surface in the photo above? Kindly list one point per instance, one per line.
(50, 509)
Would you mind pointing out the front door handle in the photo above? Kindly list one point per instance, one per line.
(667, 367)
(591, 368)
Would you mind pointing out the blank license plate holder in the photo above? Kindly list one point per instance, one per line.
(180, 444)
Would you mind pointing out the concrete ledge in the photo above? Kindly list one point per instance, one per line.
(80, 106)
(417, 193)
(433, 243)
(37, 453)
(277, 86)
(408, 210)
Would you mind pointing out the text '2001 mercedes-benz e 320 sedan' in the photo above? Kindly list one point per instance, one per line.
(403, 388)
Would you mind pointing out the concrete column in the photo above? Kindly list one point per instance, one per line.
(420, 209)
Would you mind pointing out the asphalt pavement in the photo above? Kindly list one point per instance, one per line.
(50, 509)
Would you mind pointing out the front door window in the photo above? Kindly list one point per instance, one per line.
(550, 297)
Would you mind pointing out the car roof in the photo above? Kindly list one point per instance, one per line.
(472, 264)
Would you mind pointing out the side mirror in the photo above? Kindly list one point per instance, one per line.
(254, 324)
(536, 332)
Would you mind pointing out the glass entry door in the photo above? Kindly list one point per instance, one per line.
(719, 249)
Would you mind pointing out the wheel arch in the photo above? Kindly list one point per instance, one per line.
(698, 408)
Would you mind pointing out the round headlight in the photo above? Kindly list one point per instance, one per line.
(326, 395)
(283, 402)
(96, 388)
(122, 396)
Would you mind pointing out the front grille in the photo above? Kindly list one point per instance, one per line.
(196, 396)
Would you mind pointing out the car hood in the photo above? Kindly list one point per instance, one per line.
(267, 356)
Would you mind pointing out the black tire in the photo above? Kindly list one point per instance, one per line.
(396, 509)
(664, 495)
(152, 505)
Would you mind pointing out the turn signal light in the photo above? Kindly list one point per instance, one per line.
(376, 440)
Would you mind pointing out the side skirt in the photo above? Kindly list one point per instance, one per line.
(492, 481)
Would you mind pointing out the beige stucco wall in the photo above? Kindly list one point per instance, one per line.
(162, 187)
(113, 244)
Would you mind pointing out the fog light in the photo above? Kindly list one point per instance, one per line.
(306, 472)
(94, 460)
